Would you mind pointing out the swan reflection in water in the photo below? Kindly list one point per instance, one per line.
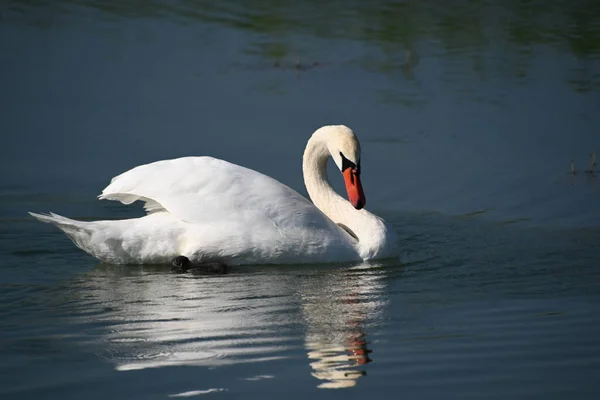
(148, 318)
(337, 309)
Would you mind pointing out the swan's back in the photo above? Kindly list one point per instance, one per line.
(204, 189)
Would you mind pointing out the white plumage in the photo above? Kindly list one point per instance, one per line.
(209, 209)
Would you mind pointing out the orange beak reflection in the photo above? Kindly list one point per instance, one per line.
(354, 188)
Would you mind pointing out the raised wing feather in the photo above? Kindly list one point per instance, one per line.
(208, 190)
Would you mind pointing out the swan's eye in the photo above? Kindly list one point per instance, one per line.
(349, 164)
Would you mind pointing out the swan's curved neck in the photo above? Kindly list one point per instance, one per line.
(370, 230)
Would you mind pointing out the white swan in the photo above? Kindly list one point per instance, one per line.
(208, 209)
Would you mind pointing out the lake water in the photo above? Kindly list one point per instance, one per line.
(470, 117)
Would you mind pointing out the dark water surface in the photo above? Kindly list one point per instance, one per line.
(469, 117)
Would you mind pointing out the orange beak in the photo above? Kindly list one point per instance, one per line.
(354, 188)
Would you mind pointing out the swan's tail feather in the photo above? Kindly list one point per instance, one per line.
(152, 239)
(79, 232)
(58, 220)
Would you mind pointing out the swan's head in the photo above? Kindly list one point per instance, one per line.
(345, 151)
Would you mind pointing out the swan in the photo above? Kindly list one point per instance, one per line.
(203, 210)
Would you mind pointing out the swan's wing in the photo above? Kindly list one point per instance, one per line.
(209, 190)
